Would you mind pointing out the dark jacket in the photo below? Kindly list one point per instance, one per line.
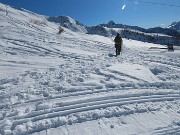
(118, 41)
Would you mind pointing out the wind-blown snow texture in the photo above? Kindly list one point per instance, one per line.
(71, 83)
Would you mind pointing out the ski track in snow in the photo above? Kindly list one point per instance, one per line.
(50, 80)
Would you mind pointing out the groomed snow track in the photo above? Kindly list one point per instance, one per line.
(54, 117)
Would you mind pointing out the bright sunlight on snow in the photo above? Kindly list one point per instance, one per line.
(72, 83)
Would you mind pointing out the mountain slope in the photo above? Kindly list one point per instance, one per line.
(72, 84)
(158, 35)
(175, 25)
(112, 24)
(164, 36)
(69, 23)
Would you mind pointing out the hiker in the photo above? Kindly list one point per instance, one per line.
(118, 43)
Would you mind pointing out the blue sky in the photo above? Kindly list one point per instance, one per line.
(93, 12)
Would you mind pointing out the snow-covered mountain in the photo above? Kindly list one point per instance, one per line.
(73, 84)
(69, 23)
(112, 24)
(156, 35)
(175, 25)
(164, 36)
(171, 30)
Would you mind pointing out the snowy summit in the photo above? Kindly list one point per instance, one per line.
(71, 83)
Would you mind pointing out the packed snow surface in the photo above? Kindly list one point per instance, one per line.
(72, 83)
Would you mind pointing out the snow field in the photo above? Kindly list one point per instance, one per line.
(56, 84)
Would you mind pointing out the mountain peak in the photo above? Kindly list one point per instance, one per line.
(62, 19)
(175, 25)
(111, 23)
(69, 23)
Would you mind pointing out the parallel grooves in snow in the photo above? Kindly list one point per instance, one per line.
(86, 106)
(169, 131)
(93, 101)
(85, 93)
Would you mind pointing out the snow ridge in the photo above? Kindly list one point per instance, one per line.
(69, 23)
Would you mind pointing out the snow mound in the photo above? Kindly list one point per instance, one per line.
(135, 71)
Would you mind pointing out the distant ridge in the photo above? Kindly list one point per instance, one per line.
(157, 35)
(175, 26)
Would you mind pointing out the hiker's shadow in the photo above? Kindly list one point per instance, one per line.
(111, 55)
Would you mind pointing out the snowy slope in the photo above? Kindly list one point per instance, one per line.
(69, 23)
(71, 83)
